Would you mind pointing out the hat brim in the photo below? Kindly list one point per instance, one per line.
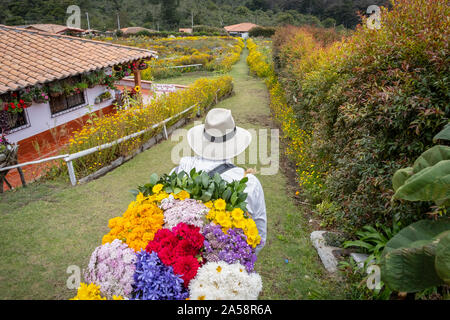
(218, 150)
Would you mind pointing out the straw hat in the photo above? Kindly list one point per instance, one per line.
(219, 138)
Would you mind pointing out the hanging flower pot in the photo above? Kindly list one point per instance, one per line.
(143, 66)
(117, 68)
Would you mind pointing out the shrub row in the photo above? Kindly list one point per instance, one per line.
(373, 102)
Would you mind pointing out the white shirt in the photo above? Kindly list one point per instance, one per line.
(256, 205)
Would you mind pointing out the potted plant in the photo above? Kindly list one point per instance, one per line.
(109, 81)
(104, 96)
(40, 94)
(81, 86)
(55, 89)
(27, 96)
(13, 108)
(91, 79)
(143, 65)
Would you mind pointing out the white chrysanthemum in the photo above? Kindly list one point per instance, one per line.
(223, 281)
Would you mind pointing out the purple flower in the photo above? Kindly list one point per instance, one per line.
(155, 281)
(231, 247)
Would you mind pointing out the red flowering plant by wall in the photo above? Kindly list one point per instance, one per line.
(16, 104)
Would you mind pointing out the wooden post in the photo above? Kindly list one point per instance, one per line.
(73, 178)
(22, 177)
(137, 78)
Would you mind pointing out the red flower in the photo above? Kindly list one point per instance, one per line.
(185, 248)
(21, 101)
(190, 233)
(187, 268)
(167, 256)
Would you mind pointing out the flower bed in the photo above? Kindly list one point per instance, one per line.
(171, 245)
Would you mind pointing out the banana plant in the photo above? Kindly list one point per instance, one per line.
(429, 177)
(418, 257)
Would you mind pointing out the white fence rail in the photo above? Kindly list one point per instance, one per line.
(68, 158)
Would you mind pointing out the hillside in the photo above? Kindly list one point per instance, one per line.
(172, 14)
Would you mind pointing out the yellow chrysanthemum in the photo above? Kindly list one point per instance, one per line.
(157, 188)
(88, 292)
(182, 195)
(220, 204)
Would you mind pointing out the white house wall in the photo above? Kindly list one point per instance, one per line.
(40, 117)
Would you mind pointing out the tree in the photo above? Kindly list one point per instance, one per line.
(169, 14)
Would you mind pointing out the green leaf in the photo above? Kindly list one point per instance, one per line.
(442, 262)
(400, 176)
(168, 189)
(206, 196)
(226, 194)
(431, 157)
(234, 197)
(205, 180)
(430, 184)
(244, 180)
(154, 179)
(444, 134)
(408, 259)
(177, 190)
(134, 192)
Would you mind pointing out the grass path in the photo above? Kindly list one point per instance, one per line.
(50, 225)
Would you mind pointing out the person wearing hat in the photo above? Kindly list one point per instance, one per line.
(215, 143)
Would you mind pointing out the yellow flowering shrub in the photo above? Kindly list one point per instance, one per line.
(233, 219)
(298, 140)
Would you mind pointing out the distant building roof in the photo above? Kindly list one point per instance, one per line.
(241, 27)
(186, 30)
(30, 57)
(134, 30)
(53, 28)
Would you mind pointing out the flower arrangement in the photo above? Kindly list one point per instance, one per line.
(168, 246)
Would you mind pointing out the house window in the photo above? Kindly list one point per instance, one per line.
(65, 102)
(11, 122)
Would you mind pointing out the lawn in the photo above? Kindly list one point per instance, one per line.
(50, 225)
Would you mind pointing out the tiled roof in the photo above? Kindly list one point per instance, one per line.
(241, 27)
(134, 30)
(30, 57)
(52, 28)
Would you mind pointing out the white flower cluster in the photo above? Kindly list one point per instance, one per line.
(223, 281)
(112, 267)
(189, 211)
